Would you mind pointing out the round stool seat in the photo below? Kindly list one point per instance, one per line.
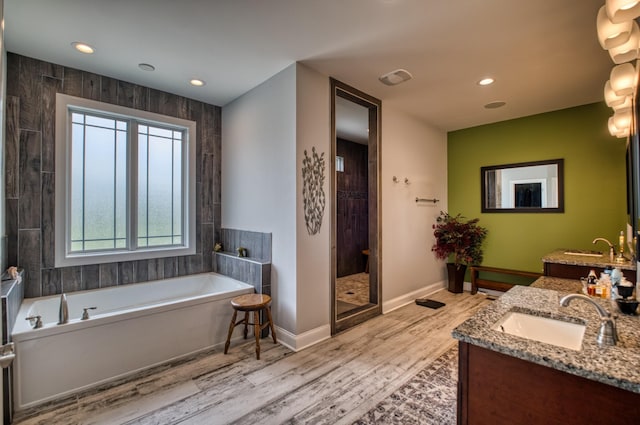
(250, 302)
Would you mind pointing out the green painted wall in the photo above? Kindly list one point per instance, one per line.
(595, 183)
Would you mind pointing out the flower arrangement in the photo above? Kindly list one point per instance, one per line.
(458, 237)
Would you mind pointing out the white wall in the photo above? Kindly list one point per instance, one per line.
(417, 151)
(313, 252)
(259, 179)
(264, 135)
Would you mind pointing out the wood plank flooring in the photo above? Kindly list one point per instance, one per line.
(334, 382)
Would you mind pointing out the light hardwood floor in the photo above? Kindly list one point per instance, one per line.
(333, 382)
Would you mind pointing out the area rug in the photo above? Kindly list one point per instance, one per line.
(427, 398)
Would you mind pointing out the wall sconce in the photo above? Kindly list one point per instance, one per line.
(610, 34)
(623, 79)
(628, 50)
(622, 10)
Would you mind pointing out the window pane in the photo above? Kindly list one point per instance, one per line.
(121, 187)
(158, 210)
(177, 193)
(77, 118)
(97, 172)
(100, 122)
(77, 186)
(162, 132)
(142, 189)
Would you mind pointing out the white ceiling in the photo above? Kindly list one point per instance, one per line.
(543, 54)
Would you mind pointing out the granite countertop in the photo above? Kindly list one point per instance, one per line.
(559, 257)
(617, 365)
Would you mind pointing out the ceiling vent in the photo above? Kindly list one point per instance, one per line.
(395, 77)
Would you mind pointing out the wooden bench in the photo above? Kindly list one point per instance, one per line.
(477, 282)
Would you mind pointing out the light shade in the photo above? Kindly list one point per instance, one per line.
(624, 105)
(622, 118)
(610, 97)
(622, 10)
(628, 50)
(610, 34)
(615, 131)
(623, 79)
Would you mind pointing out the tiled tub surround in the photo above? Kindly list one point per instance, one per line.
(133, 328)
(30, 175)
(617, 365)
(255, 269)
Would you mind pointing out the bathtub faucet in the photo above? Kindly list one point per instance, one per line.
(64, 310)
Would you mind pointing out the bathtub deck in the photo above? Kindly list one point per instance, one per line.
(333, 382)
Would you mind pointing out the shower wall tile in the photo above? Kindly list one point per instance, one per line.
(30, 175)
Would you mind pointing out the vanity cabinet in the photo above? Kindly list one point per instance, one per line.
(559, 264)
(494, 388)
(570, 271)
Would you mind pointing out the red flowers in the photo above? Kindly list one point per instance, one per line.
(460, 238)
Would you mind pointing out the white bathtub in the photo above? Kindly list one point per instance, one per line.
(133, 328)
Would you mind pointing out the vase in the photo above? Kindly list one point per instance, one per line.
(456, 277)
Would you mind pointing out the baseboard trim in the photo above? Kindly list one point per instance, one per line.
(305, 339)
(405, 299)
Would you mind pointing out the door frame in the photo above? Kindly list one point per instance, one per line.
(374, 208)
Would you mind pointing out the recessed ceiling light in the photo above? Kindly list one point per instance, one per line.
(486, 81)
(146, 67)
(495, 105)
(83, 47)
(196, 82)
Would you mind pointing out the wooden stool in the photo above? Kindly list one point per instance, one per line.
(251, 303)
(366, 252)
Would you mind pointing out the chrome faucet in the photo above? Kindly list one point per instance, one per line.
(607, 334)
(612, 250)
(63, 316)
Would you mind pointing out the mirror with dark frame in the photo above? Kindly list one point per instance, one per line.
(523, 187)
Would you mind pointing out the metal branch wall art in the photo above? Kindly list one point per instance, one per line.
(312, 190)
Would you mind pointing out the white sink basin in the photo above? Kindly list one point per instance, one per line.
(542, 329)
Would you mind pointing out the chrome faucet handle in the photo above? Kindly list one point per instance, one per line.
(85, 313)
(34, 321)
(607, 335)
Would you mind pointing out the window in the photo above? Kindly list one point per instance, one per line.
(125, 183)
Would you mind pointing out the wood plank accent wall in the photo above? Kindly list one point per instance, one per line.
(352, 221)
(30, 175)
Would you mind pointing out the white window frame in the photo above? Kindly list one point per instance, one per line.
(63, 255)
